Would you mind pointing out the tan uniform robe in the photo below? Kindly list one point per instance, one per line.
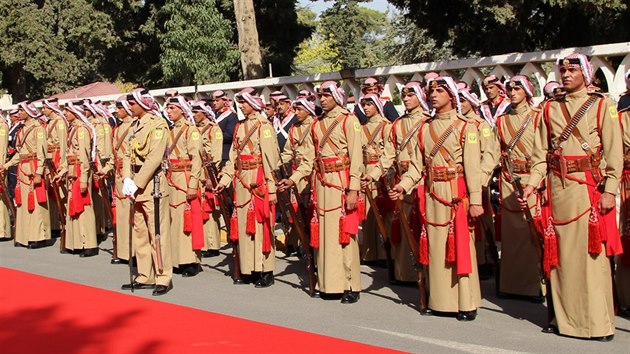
(187, 149)
(120, 142)
(299, 149)
(57, 135)
(403, 159)
(449, 291)
(262, 143)
(147, 146)
(581, 285)
(338, 266)
(370, 243)
(81, 230)
(520, 271)
(5, 219)
(212, 151)
(29, 159)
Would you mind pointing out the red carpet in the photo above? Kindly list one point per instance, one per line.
(44, 315)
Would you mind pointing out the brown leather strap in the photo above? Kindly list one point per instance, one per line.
(576, 132)
(407, 138)
(122, 138)
(372, 136)
(326, 134)
(248, 137)
(516, 136)
(174, 144)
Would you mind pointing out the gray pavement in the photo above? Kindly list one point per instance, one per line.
(385, 316)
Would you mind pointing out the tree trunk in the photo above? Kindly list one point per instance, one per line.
(251, 59)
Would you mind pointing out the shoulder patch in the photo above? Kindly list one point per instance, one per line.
(267, 133)
(158, 133)
(612, 110)
(486, 132)
(357, 127)
(3, 132)
(81, 134)
(218, 134)
(40, 135)
(61, 126)
(471, 138)
(194, 136)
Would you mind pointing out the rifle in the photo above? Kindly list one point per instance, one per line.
(62, 214)
(537, 239)
(223, 203)
(132, 210)
(380, 223)
(494, 253)
(285, 205)
(413, 245)
(9, 202)
(156, 221)
(102, 187)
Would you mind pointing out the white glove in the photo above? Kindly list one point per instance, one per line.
(129, 187)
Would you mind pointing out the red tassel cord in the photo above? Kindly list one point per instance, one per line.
(234, 226)
(344, 237)
(188, 223)
(594, 235)
(424, 247)
(31, 200)
(450, 243)
(18, 195)
(250, 226)
(551, 249)
(314, 230)
(361, 207)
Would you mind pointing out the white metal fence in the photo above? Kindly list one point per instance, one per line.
(610, 61)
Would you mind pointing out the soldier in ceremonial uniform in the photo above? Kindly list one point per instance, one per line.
(449, 151)
(484, 228)
(371, 86)
(496, 104)
(102, 165)
(338, 165)
(520, 273)
(578, 149)
(211, 154)
(622, 275)
(184, 160)
(57, 133)
(226, 119)
(376, 130)
(5, 219)
(550, 89)
(270, 110)
(120, 143)
(299, 150)
(142, 169)
(16, 126)
(624, 100)
(33, 218)
(253, 156)
(399, 151)
(80, 218)
(284, 118)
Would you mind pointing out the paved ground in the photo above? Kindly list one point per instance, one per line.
(385, 316)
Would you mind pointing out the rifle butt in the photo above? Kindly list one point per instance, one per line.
(422, 288)
(236, 262)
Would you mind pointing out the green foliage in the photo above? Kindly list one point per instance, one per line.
(356, 34)
(280, 31)
(476, 27)
(196, 43)
(347, 36)
(49, 48)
